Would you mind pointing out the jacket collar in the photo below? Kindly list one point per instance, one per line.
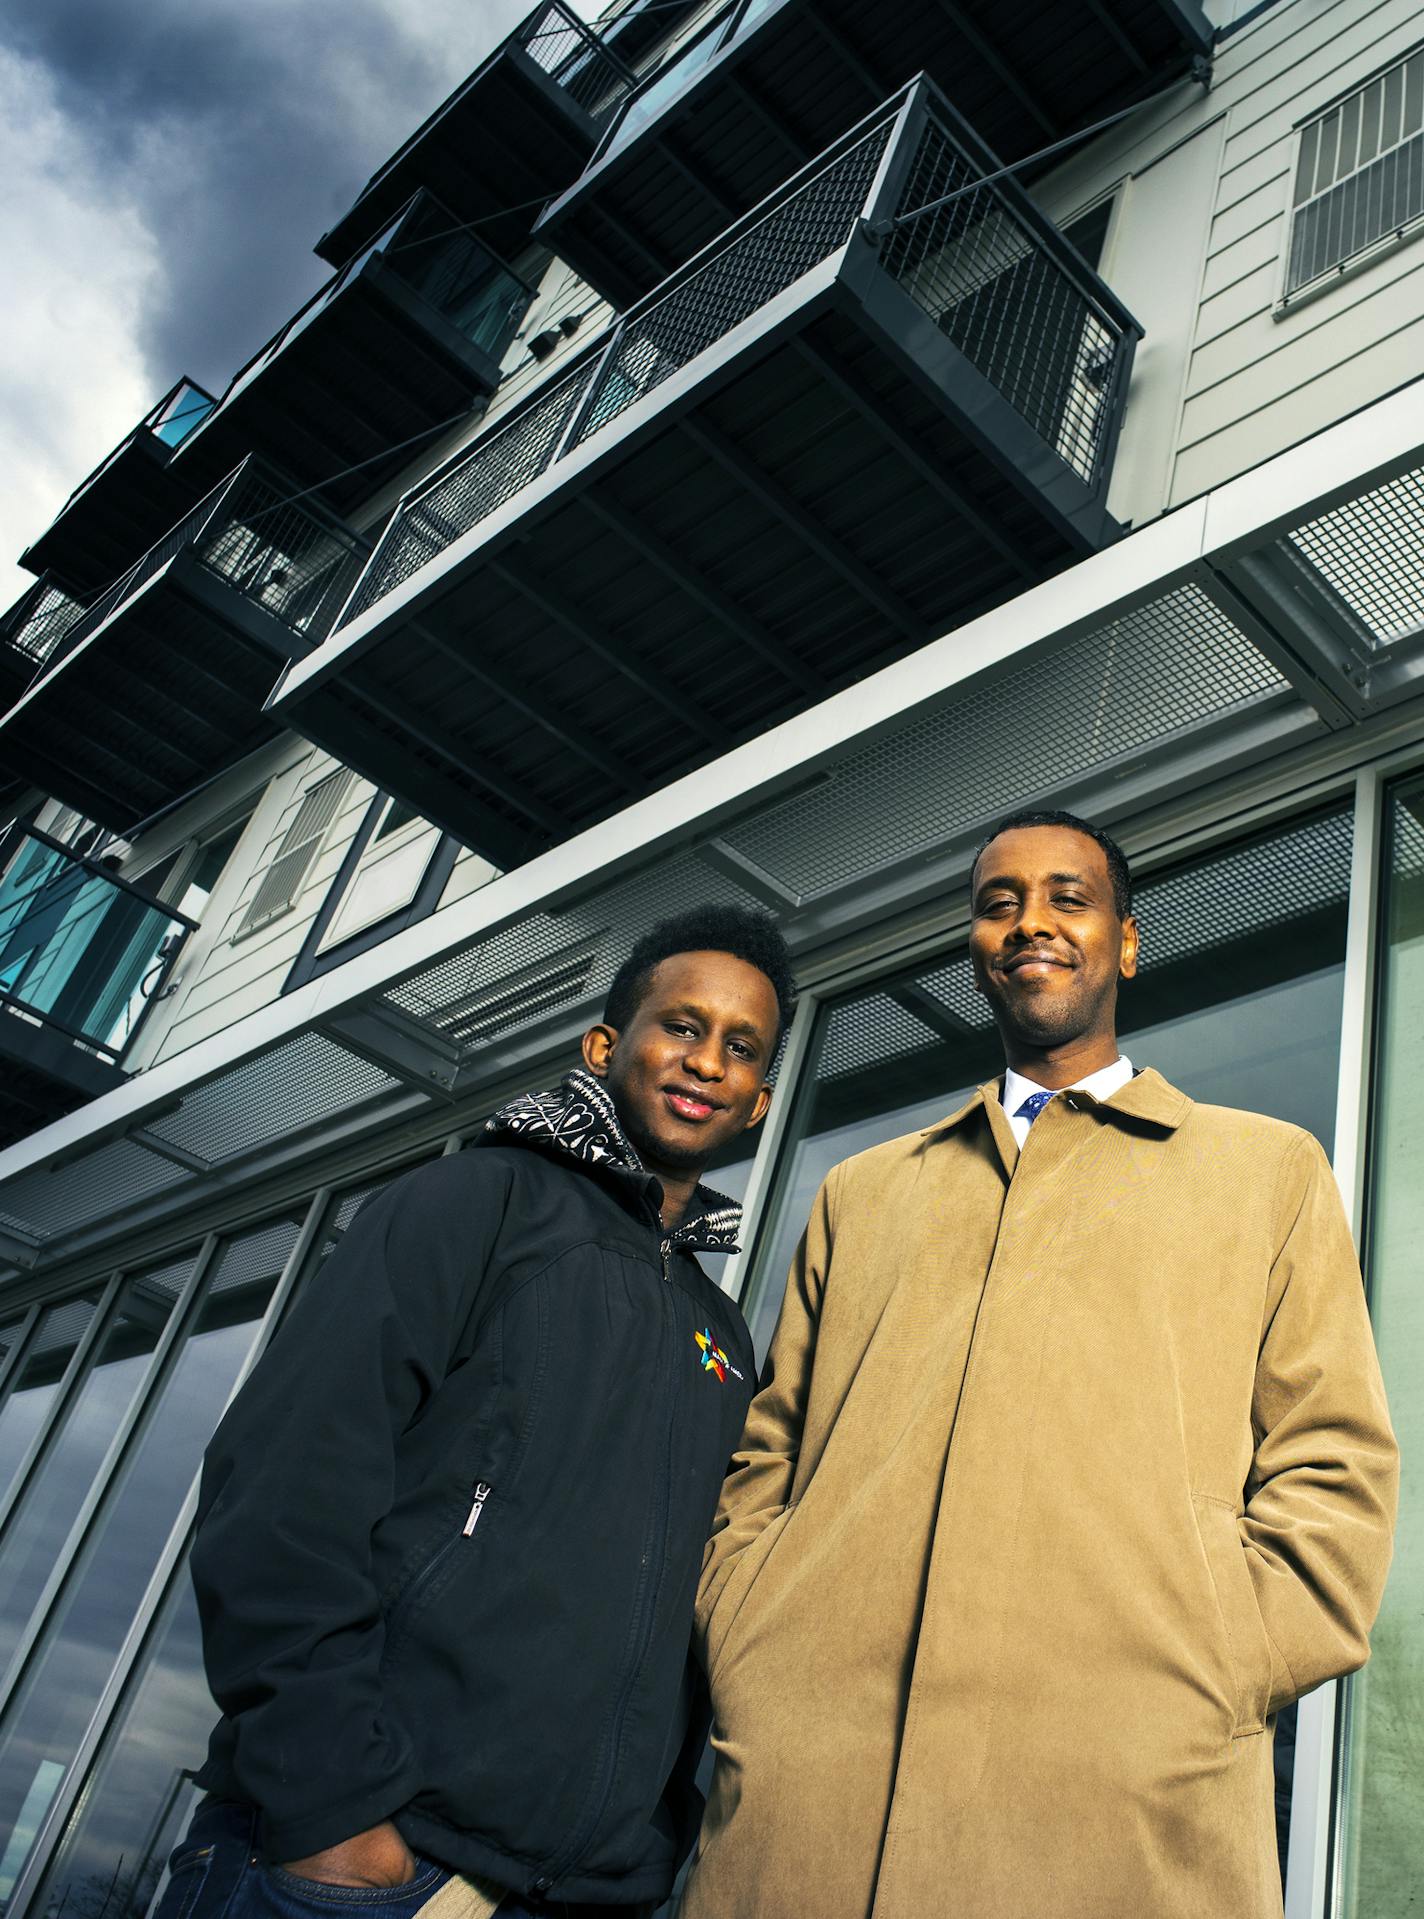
(577, 1121)
(1146, 1096)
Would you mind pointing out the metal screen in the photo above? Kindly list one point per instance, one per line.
(39, 620)
(1368, 551)
(1012, 308)
(1169, 665)
(1360, 173)
(573, 54)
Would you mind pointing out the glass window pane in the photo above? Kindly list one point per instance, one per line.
(135, 1802)
(37, 1386)
(87, 1628)
(40, 1523)
(1382, 1810)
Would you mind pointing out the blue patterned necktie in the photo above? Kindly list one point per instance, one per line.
(1033, 1106)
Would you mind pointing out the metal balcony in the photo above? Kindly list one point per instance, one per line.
(162, 680)
(518, 131)
(769, 83)
(404, 337)
(865, 415)
(30, 631)
(83, 955)
(127, 500)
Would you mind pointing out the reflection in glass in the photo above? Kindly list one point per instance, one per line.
(87, 1627)
(40, 1523)
(649, 101)
(37, 1387)
(1381, 1868)
(135, 1802)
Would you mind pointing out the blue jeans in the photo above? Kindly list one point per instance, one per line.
(217, 1872)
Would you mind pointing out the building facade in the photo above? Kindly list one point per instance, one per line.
(742, 449)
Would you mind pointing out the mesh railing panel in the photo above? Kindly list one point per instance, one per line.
(1171, 664)
(736, 282)
(1006, 302)
(727, 289)
(498, 466)
(37, 623)
(296, 564)
(558, 41)
(1368, 551)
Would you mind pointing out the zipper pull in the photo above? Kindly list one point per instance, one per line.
(666, 1250)
(482, 1493)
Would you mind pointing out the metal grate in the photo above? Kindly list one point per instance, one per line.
(295, 1085)
(1369, 550)
(735, 283)
(62, 1328)
(1407, 848)
(497, 467)
(1171, 664)
(573, 54)
(1359, 177)
(161, 1283)
(864, 1032)
(254, 1258)
(39, 620)
(953, 986)
(44, 1201)
(1012, 308)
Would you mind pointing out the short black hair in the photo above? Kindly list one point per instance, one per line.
(741, 931)
(1118, 869)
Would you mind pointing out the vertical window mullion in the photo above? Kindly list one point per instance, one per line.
(38, 1448)
(19, 1347)
(179, 1320)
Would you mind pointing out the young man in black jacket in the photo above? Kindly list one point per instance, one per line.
(450, 1531)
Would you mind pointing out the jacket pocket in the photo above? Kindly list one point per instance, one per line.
(733, 1597)
(1248, 1649)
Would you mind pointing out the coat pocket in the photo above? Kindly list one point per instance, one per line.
(733, 1597)
(1248, 1649)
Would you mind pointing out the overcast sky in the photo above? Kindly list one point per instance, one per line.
(167, 167)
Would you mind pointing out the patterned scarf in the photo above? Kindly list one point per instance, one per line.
(578, 1118)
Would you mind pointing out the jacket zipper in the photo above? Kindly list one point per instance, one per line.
(432, 1566)
(658, 1553)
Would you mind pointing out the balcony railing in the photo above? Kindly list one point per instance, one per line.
(81, 951)
(38, 621)
(996, 277)
(573, 54)
(287, 557)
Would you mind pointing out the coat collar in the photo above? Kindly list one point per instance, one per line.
(1146, 1096)
(576, 1121)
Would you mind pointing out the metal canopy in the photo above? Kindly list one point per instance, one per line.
(44, 1075)
(398, 343)
(126, 503)
(769, 83)
(515, 133)
(161, 682)
(804, 457)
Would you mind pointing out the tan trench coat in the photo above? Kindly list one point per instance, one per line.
(1071, 1468)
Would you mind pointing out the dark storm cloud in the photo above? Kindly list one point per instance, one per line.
(236, 131)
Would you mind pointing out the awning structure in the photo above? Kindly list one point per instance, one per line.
(1152, 668)
(767, 84)
(887, 399)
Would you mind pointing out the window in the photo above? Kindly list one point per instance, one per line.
(1359, 177)
(285, 877)
(1378, 1853)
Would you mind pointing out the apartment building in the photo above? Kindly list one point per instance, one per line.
(742, 449)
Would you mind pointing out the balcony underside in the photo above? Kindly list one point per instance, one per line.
(1021, 72)
(376, 368)
(510, 136)
(120, 513)
(44, 1075)
(838, 492)
(168, 692)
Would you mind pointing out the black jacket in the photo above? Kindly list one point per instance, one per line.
(450, 1530)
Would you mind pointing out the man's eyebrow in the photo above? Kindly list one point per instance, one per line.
(701, 1012)
(1054, 879)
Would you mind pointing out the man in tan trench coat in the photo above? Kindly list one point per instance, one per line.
(1070, 1469)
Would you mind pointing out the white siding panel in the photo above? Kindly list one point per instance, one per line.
(1261, 247)
(1245, 299)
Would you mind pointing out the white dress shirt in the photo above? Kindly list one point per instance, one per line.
(1102, 1085)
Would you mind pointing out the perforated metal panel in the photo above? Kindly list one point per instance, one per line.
(43, 1201)
(953, 986)
(1174, 663)
(866, 1031)
(306, 1080)
(63, 1327)
(253, 1257)
(1369, 551)
(1408, 847)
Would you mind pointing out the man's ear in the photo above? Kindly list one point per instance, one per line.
(1127, 966)
(598, 1044)
(763, 1100)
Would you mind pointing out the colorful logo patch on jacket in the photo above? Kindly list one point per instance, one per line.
(714, 1360)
